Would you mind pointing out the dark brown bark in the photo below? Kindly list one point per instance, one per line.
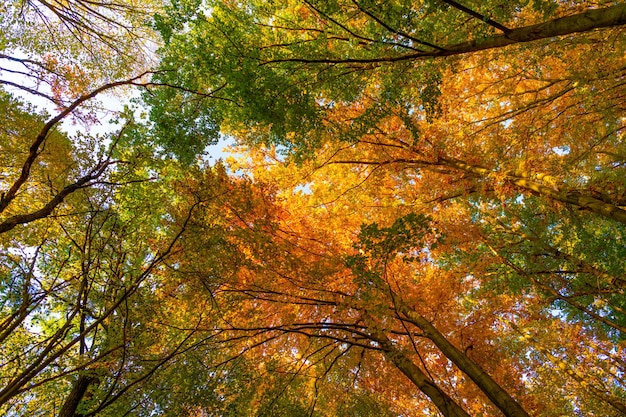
(46, 210)
(70, 406)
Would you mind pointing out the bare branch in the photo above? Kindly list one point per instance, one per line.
(477, 15)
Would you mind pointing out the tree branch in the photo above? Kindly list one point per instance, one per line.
(581, 22)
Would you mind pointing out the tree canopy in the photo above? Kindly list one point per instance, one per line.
(423, 211)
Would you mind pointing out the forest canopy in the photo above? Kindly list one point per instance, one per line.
(421, 211)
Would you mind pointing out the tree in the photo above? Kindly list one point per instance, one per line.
(61, 50)
(454, 274)
(288, 288)
(81, 249)
(478, 135)
(68, 293)
(19, 173)
(286, 64)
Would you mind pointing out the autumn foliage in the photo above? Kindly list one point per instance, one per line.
(422, 210)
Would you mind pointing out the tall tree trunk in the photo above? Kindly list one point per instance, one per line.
(491, 388)
(442, 401)
(70, 406)
(581, 22)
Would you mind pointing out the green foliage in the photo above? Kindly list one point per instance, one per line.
(573, 259)
(377, 246)
(174, 17)
(402, 237)
(181, 124)
(279, 70)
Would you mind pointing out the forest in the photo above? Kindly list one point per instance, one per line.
(321, 208)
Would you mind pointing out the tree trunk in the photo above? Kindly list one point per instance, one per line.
(491, 388)
(581, 22)
(442, 401)
(70, 406)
